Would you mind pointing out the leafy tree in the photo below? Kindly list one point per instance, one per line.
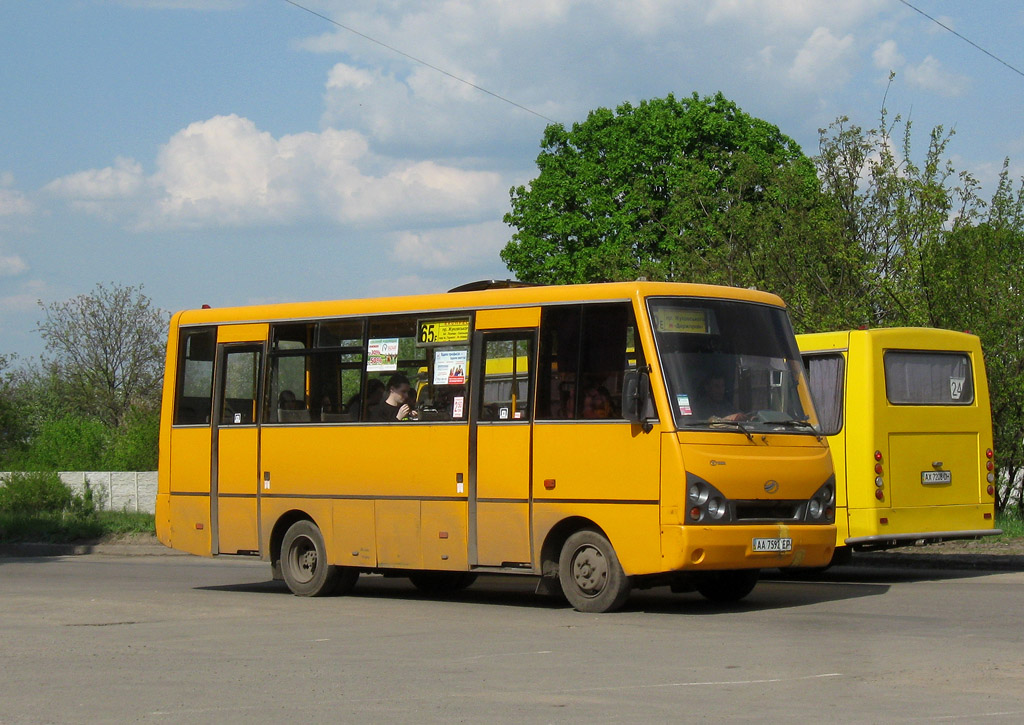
(67, 443)
(13, 428)
(976, 276)
(134, 446)
(647, 190)
(895, 212)
(105, 352)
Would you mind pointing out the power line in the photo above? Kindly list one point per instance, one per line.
(421, 62)
(966, 40)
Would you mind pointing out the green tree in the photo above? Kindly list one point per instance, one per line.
(976, 276)
(105, 352)
(642, 190)
(935, 255)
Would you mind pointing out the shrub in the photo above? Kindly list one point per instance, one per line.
(68, 443)
(36, 492)
(134, 444)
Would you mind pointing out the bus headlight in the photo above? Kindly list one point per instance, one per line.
(704, 502)
(821, 507)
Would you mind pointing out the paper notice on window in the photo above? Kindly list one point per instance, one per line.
(683, 401)
(450, 367)
(382, 354)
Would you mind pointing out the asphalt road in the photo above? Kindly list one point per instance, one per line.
(180, 639)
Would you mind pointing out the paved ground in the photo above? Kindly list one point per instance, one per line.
(987, 553)
(173, 639)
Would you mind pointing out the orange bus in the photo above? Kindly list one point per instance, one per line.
(598, 437)
(907, 416)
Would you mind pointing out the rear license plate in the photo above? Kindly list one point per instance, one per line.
(929, 477)
(772, 545)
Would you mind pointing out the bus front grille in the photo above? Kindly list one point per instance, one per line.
(769, 510)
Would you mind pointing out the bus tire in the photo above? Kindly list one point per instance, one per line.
(304, 562)
(727, 586)
(590, 574)
(441, 582)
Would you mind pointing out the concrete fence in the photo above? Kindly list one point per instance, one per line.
(115, 490)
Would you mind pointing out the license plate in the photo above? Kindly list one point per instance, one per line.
(928, 477)
(772, 545)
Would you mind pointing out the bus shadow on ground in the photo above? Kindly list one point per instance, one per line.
(513, 591)
(890, 572)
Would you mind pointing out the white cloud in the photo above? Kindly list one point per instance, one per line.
(823, 57)
(26, 299)
(226, 172)
(123, 179)
(12, 201)
(887, 56)
(453, 247)
(930, 75)
(12, 265)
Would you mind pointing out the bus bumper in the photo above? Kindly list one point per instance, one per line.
(707, 548)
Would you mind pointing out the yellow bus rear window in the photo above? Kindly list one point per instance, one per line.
(928, 378)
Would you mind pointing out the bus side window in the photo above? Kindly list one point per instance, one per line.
(825, 375)
(506, 382)
(584, 353)
(194, 397)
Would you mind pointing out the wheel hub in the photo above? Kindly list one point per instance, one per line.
(590, 570)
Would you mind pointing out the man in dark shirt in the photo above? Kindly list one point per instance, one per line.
(396, 405)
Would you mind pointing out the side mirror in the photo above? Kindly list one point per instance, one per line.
(637, 402)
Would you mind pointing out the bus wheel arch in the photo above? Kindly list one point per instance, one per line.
(589, 572)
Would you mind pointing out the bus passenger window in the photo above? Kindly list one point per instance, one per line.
(240, 383)
(195, 377)
(506, 381)
(584, 353)
(825, 378)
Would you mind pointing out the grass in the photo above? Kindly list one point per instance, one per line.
(1011, 523)
(63, 528)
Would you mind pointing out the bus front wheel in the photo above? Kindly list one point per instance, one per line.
(304, 562)
(590, 574)
(727, 586)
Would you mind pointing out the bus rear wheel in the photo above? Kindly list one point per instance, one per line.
(441, 582)
(727, 586)
(590, 574)
(304, 563)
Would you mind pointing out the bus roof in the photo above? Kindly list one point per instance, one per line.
(482, 299)
(914, 338)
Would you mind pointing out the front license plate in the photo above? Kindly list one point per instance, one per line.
(928, 477)
(772, 545)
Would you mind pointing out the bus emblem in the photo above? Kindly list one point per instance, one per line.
(771, 486)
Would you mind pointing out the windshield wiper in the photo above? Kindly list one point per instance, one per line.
(801, 424)
(733, 424)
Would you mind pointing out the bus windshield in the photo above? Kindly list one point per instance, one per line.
(731, 366)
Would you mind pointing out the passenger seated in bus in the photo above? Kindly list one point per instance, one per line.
(597, 403)
(396, 405)
(290, 409)
(712, 403)
(374, 394)
(567, 400)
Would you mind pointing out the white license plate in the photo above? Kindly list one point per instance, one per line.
(772, 545)
(936, 477)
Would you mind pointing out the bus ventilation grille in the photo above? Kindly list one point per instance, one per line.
(768, 510)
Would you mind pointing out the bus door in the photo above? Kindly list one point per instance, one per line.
(500, 444)
(234, 485)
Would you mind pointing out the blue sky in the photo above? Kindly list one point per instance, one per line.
(237, 151)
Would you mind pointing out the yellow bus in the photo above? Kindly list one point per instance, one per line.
(906, 412)
(554, 431)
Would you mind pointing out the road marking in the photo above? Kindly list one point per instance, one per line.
(709, 683)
